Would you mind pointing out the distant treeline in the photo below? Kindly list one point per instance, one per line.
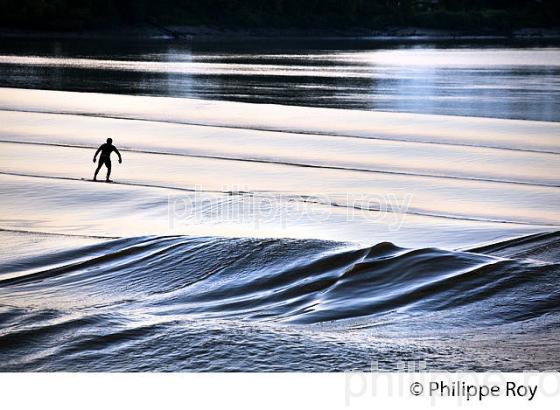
(63, 15)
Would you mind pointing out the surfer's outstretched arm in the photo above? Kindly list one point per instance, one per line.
(118, 154)
(96, 153)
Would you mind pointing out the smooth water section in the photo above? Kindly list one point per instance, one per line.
(284, 171)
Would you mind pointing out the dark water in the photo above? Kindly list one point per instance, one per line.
(183, 303)
(468, 78)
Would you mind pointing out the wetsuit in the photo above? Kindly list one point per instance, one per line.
(105, 158)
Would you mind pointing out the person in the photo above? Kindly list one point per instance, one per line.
(105, 158)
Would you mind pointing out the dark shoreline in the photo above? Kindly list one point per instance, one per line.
(208, 32)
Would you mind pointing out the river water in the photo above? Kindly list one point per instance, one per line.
(470, 78)
(311, 205)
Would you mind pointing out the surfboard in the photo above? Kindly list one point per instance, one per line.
(98, 180)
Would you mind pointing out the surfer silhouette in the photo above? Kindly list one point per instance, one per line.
(105, 158)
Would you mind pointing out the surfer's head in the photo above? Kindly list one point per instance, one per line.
(109, 140)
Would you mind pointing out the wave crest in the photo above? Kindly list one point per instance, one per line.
(295, 281)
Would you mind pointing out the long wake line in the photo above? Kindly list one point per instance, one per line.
(264, 129)
(298, 198)
(73, 235)
(292, 164)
